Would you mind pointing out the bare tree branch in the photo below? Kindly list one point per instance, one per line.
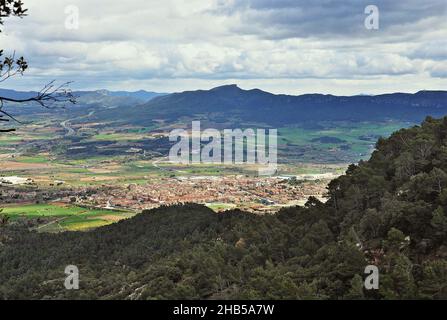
(10, 67)
(49, 95)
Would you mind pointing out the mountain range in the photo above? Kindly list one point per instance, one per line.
(233, 104)
(230, 104)
(140, 95)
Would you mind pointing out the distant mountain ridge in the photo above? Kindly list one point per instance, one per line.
(141, 95)
(230, 101)
(13, 94)
(230, 104)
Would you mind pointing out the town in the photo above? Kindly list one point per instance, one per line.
(250, 193)
(254, 194)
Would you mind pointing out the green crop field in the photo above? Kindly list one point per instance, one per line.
(220, 206)
(66, 217)
(334, 142)
(34, 159)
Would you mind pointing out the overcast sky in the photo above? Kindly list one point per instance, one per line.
(282, 46)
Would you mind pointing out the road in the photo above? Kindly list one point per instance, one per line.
(66, 124)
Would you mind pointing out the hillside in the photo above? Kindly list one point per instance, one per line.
(140, 95)
(312, 128)
(233, 106)
(230, 104)
(388, 211)
(86, 101)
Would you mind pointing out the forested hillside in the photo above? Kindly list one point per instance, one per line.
(238, 106)
(389, 211)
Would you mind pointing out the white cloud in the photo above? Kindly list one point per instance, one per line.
(189, 44)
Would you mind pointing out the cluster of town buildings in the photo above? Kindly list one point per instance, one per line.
(257, 194)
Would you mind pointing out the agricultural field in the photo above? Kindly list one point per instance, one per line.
(57, 217)
(125, 164)
(131, 155)
(340, 142)
(219, 207)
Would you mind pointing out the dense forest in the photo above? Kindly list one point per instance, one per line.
(389, 211)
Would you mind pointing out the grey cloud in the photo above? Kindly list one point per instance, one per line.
(439, 70)
(298, 18)
(436, 50)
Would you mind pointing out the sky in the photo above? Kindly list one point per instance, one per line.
(281, 46)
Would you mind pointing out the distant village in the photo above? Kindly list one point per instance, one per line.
(255, 194)
(250, 193)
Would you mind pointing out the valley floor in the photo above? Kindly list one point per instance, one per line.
(89, 165)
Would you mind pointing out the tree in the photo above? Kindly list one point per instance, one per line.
(4, 218)
(356, 290)
(439, 223)
(395, 240)
(434, 280)
(11, 66)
